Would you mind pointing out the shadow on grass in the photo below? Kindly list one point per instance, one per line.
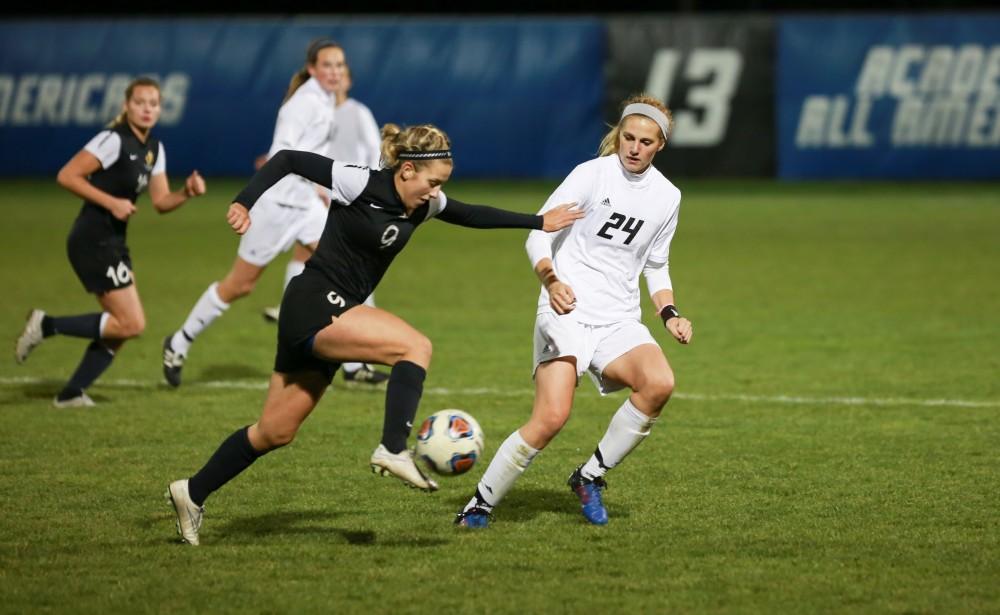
(41, 391)
(523, 505)
(314, 523)
(233, 371)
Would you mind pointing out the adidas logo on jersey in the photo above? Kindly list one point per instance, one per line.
(606, 202)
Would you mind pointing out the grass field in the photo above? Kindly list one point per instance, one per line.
(832, 446)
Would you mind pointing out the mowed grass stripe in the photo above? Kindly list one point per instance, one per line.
(496, 392)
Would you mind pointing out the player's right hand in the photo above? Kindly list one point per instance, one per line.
(561, 298)
(239, 218)
(122, 208)
(680, 328)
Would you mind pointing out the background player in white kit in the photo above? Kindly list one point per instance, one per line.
(588, 309)
(356, 139)
(292, 211)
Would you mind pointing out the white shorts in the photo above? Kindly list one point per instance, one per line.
(274, 228)
(593, 346)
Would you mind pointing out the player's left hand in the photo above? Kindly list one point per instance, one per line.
(194, 185)
(239, 218)
(680, 328)
(561, 217)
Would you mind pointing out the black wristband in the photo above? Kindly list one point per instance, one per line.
(668, 312)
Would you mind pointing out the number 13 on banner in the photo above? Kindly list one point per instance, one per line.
(722, 68)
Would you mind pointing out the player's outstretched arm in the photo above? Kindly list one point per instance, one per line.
(484, 216)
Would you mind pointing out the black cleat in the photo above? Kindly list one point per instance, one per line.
(173, 363)
(366, 376)
(271, 314)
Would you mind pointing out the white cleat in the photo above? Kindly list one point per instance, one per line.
(30, 337)
(189, 514)
(402, 466)
(80, 401)
(271, 314)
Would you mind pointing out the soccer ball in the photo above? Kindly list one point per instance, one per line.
(450, 442)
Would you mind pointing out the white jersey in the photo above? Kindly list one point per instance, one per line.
(627, 230)
(305, 123)
(355, 135)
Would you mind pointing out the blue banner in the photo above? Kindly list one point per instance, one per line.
(889, 97)
(519, 98)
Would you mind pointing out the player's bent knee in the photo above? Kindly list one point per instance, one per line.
(418, 349)
(551, 423)
(276, 438)
(243, 288)
(131, 327)
(659, 388)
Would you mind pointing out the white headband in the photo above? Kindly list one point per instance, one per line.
(652, 113)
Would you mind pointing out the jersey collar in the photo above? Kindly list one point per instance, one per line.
(636, 180)
(314, 85)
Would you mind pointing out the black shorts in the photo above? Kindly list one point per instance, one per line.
(309, 306)
(102, 263)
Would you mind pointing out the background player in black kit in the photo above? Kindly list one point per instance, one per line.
(323, 320)
(109, 173)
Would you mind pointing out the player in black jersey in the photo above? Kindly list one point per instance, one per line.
(109, 173)
(323, 320)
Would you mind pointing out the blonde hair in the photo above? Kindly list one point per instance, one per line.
(419, 138)
(138, 81)
(312, 56)
(609, 144)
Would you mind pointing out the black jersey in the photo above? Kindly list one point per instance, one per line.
(367, 225)
(125, 174)
(361, 238)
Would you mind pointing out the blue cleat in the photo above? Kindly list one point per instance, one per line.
(475, 518)
(589, 492)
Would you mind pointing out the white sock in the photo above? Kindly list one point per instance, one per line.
(209, 307)
(292, 269)
(350, 368)
(100, 327)
(628, 428)
(512, 459)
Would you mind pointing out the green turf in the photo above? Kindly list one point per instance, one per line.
(764, 489)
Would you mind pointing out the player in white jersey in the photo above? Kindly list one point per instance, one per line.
(355, 138)
(291, 211)
(109, 174)
(588, 317)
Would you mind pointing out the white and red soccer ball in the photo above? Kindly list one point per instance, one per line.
(450, 442)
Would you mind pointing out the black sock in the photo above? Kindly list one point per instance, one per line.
(402, 396)
(234, 455)
(95, 360)
(83, 325)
